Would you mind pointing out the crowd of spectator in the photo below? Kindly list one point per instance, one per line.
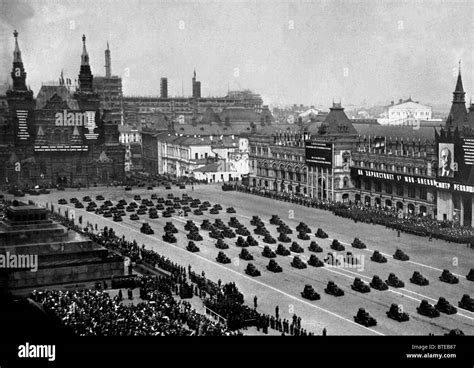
(94, 313)
(414, 224)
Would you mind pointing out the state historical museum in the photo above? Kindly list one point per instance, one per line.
(60, 138)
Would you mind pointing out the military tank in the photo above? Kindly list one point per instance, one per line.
(284, 229)
(146, 229)
(303, 236)
(252, 241)
(336, 245)
(228, 233)
(400, 255)
(269, 239)
(357, 243)
(194, 235)
(192, 247)
(360, 286)
(134, 217)
(170, 228)
(394, 281)
(448, 277)
(275, 220)
(255, 221)
(298, 263)
(220, 244)
(230, 210)
(206, 225)
(284, 238)
(233, 222)
(153, 214)
(364, 318)
(466, 303)
(378, 284)
(216, 234)
(314, 247)
(273, 266)
(378, 257)
(268, 253)
(426, 309)
(295, 247)
(190, 225)
(418, 279)
(321, 234)
(302, 227)
(396, 312)
(333, 289)
(315, 261)
(445, 307)
(245, 255)
(222, 258)
(309, 293)
(242, 230)
(241, 242)
(282, 250)
(251, 270)
(470, 275)
(169, 238)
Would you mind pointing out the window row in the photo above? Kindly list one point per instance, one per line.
(389, 188)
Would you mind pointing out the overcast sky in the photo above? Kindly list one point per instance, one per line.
(302, 51)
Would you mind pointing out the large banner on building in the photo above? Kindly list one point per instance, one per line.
(456, 161)
(408, 179)
(446, 164)
(319, 154)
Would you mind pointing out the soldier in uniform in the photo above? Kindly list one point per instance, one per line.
(277, 310)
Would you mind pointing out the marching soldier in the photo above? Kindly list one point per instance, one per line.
(277, 310)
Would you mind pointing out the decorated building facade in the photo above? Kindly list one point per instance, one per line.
(62, 137)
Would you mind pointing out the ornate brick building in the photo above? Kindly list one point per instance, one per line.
(63, 137)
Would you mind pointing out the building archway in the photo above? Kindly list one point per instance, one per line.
(400, 206)
(357, 197)
(388, 203)
(411, 208)
(423, 210)
(367, 201)
(345, 198)
(378, 201)
(322, 187)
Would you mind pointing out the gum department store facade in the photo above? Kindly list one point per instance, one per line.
(374, 165)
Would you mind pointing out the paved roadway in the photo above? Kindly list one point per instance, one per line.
(283, 289)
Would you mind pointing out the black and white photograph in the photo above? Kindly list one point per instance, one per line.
(212, 176)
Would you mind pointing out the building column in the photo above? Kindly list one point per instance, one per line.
(472, 210)
(327, 184)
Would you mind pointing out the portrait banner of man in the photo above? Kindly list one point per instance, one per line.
(446, 163)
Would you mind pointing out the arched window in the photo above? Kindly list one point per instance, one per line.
(367, 201)
(345, 182)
